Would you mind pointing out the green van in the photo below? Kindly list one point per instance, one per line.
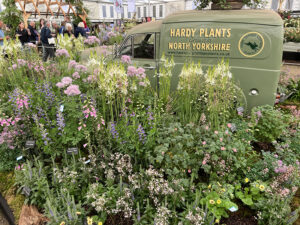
(252, 41)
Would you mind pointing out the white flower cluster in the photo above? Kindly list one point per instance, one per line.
(162, 216)
(189, 76)
(65, 176)
(196, 218)
(113, 81)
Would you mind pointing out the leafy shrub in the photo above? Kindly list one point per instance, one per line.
(268, 123)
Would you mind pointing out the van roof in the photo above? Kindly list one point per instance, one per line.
(264, 17)
(146, 27)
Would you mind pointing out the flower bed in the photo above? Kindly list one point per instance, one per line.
(97, 143)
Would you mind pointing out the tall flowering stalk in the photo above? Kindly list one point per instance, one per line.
(189, 92)
(221, 94)
(165, 75)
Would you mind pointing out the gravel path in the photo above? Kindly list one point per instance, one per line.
(3, 220)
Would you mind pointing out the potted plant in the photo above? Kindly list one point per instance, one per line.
(226, 4)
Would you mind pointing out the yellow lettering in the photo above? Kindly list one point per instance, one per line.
(228, 33)
(201, 32)
(170, 45)
(199, 46)
(175, 45)
(212, 33)
(193, 32)
(228, 47)
(177, 33)
(194, 45)
(187, 45)
(224, 30)
(207, 46)
(223, 47)
(216, 46)
(188, 32)
(203, 46)
(179, 45)
(206, 34)
(172, 32)
(182, 32)
(218, 33)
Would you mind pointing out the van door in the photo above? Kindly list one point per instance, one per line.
(141, 48)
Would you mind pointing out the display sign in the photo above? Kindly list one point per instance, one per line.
(72, 151)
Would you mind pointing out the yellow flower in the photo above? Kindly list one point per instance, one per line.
(223, 189)
(217, 221)
(219, 184)
(219, 201)
(261, 187)
(211, 201)
(89, 221)
(78, 213)
(99, 223)
(257, 185)
(62, 223)
(209, 186)
(246, 180)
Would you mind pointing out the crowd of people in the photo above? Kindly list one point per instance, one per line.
(45, 33)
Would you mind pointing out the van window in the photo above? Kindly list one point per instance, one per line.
(127, 48)
(144, 46)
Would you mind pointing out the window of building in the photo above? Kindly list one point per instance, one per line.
(154, 11)
(111, 11)
(139, 12)
(129, 15)
(145, 11)
(161, 11)
(143, 46)
(104, 11)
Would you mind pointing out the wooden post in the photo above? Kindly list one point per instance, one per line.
(25, 18)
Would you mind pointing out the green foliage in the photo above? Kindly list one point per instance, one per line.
(268, 123)
(11, 16)
(115, 40)
(8, 158)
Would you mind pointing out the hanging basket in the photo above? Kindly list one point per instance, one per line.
(233, 4)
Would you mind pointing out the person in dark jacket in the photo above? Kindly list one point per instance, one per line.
(23, 34)
(48, 49)
(68, 30)
(80, 30)
(33, 38)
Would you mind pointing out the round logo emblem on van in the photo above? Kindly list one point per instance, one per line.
(251, 44)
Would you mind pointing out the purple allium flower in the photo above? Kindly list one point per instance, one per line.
(72, 90)
(126, 59)
(62, 52)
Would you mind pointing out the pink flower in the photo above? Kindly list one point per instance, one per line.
(221, 139)
(216, 132)
(189, 171)
(234, 150)
(72, 64)
(79, 128)
(142, 84)
(91, 78)
(131, 71)
(204, 142)
(60, 85)
(140, 70)
(126, 59)
(223, 148)
(66, 81)
(14, 66)
(229, 125)
(76, 75)
(206, 127)
(72, 90)
(85, 145)
(203, 162)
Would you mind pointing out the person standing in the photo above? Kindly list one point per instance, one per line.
(33, 38)
(68, 30)
(23, 34)
(55, 28)
(2, 35)
(62, 28)
(80, 30)
(48, 49)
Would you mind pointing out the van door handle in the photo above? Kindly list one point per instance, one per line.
(148, 67)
